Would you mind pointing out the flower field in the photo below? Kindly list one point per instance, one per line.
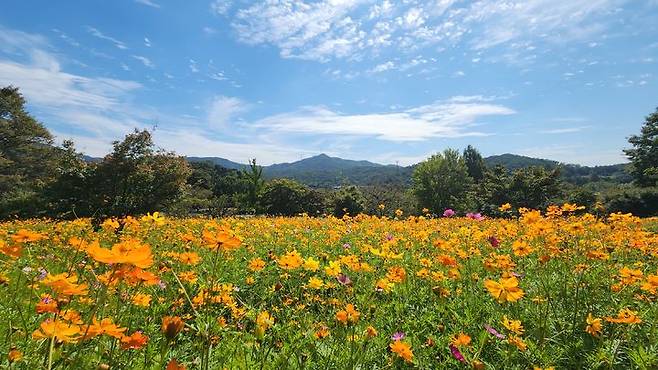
(543, 290)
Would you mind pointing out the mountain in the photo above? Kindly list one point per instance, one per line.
(218, 161)
(572, 173)
(514, 161)
(325, 171)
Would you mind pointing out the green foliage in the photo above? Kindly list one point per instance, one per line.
(393, 197)
(136, 178)
(27, 160)
(348, 200)
(644, 154)
(442, 182)
(287, 198)
(640, 201)
(531, 187)
(255, 183)
(474, 163)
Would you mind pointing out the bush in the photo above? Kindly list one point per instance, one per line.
(286, 197)
(641, 202)
(348, 200)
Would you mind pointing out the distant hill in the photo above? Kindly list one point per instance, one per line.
(573, 173)
(514, 161)
(325, 171)
(218, 161)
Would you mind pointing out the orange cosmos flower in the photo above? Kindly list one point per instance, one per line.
(12, 252)
(348, 315)
(65, 285)
(136, 340)
(174, 365)
(61, 331)
(290, 260)
(505, 290)
(25, 236)
(594, 326)
(46, 304)
(514, 326)
(223, 240)
(625, 316)
(105, 326)
(402, 349)
(396, 274)
(142, 300)
(256, 264)
(129, 252)
(171, 326)
(461, 340)
(189, 258)
(14, 355)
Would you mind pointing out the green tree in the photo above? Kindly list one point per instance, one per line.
(255, 183)
(348, 200)
(474, 164)
(535, 187)
(441, 182)
(284, 197)
(644, 154)
(136, 178)
(27, 160)
(69, 194)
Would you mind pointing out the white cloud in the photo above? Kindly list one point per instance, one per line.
(328, 29)
(221, 7)
(93, 107)
(439, 119)
(193, 66)
(223, 109)
(150, 3)
(566, 130)
(382, 67)
(193, 143)
(96, 33)
(146, 61)
(209, 30)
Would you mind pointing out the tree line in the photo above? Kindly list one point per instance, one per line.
(41, 179)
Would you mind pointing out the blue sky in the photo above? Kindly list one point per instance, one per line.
(387, 81)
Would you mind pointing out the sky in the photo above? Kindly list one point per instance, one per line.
(381, 80)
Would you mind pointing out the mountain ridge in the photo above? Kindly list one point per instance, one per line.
(325, 171)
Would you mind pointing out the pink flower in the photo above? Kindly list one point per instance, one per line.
(397, 336)
(493, 331)
(458, 355)
(449, 213)
(475, 216)
(344, 279)
(494, 241)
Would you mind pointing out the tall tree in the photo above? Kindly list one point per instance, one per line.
(136, 178)
(442, 181)
(27, 162)
(474, 163)
(254, 176)
(644, 154)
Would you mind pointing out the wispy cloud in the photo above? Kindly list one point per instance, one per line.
(439, 119)
(150, 3)
(565, 130)
(223, 109)
(329, 29)
(193, 66)
(221, 7)
(96, 33)
(146, 61)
